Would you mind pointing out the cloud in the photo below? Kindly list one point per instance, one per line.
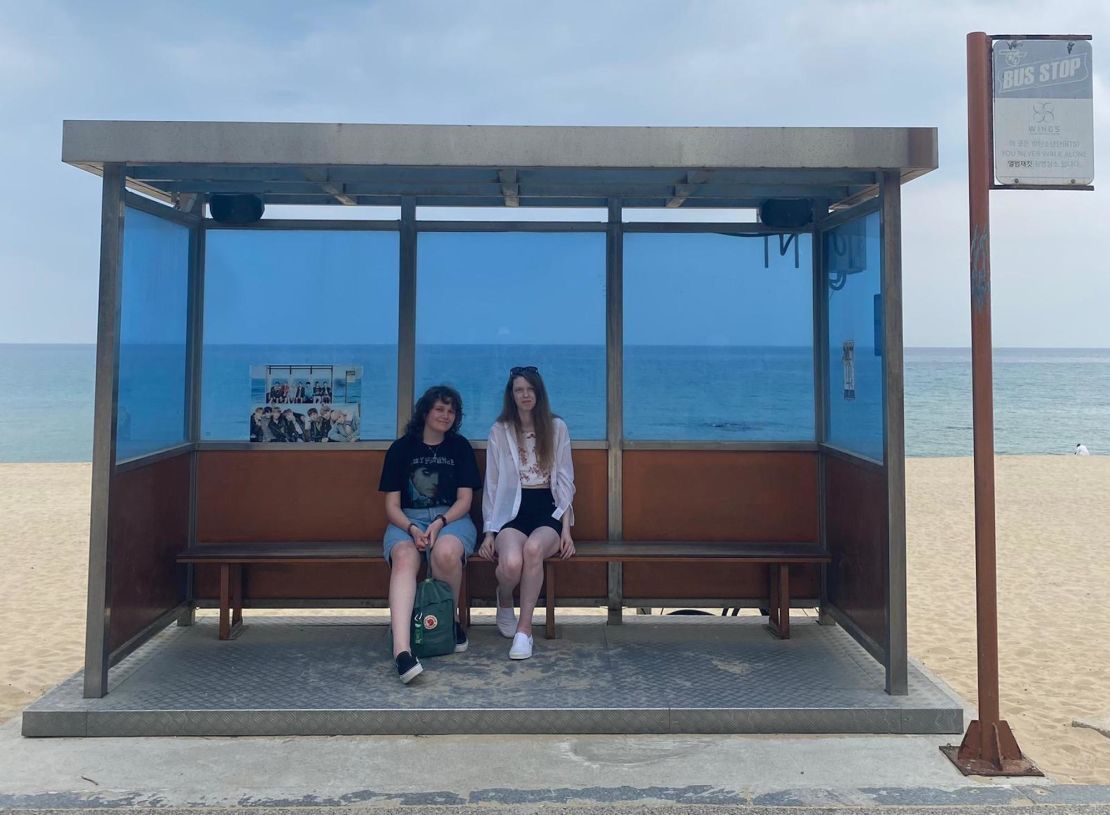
(715, 62)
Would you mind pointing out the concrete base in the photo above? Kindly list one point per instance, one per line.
(335, 676)
(512, 775)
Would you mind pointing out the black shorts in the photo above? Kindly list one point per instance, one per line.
(536, 506)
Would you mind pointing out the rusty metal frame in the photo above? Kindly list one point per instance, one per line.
(989, 746)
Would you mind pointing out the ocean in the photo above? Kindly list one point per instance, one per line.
(1046, 400)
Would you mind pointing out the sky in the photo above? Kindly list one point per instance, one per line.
(641, 62)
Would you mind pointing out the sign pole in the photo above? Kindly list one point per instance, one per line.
(989, 746)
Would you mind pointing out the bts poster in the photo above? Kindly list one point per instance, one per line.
(310, 404)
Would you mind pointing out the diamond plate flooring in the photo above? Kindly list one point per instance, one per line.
(334, 676)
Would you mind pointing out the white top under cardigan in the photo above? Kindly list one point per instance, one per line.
(532, 474)
(501, 496)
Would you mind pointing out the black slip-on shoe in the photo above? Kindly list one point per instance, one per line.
(408, 667)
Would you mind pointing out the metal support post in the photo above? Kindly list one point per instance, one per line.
(989, 746)
(820, 391)
(614, 367)
(894, 435)
(193, 366)
(406, 315)
(99, 607)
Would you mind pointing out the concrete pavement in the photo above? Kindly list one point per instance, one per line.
(511, 774)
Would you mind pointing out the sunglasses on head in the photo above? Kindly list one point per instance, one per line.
(529, 369)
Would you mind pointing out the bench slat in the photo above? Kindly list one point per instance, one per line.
(304, 551)
(800, 552)
(354, 551)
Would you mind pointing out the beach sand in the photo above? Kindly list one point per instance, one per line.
(1054, 571)
(44, 555)
(1053, 534)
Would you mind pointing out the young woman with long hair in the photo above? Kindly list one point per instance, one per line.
(526, 507)
(428, 478)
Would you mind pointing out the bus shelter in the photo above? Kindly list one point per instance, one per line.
(733, 373)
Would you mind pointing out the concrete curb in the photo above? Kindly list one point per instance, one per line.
(702, 799)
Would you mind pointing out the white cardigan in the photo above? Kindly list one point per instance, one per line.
(501, 496)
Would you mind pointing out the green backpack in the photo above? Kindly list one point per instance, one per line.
(433, 617)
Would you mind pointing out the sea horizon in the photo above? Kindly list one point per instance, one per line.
(705, 345)
(1046, 398)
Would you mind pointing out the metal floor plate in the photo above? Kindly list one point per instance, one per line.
(335, 676)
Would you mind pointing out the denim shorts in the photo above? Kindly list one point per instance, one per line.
(463, 529)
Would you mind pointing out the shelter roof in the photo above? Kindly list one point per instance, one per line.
(489, 165)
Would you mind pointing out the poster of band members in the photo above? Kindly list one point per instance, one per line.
(305, 403)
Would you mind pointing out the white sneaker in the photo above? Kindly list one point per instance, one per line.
(506, 619)
(522, 647)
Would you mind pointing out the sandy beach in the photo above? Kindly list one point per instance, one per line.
(1053, 535)
(1054, 570)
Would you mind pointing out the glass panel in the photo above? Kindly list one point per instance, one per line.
(153, 316)
(852, 262)
(489, 301)
(718, 336)
(298, 297)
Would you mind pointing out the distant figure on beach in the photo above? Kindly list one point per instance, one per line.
(1081, 450)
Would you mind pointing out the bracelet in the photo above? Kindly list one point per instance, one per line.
(440, 517)
(410, 526)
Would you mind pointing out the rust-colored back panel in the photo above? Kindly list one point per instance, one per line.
(720, 495)
(289, 495)
(293, 495)
(856, 518)
(696, 495)
(147, 526)
(652, 581)
(591, 497)
(717, 495)
(300, 495)
(274, 581)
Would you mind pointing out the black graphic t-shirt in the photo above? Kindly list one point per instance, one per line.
(429, 475)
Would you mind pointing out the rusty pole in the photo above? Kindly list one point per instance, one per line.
(989, 746)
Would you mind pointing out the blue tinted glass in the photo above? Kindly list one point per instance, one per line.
(855, 415)
(487, 302)
(718, 333)
(153, 317)
(298, 297)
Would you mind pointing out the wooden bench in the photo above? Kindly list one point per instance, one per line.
(232, 557)
(779, 557)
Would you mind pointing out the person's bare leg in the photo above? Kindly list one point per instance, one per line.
(405, 563)
(541, 544)
(447, 564)
(509, 546)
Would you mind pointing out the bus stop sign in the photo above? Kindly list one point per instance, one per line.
(1043, 113)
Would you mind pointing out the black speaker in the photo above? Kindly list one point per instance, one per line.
(236, 209)
(786, 213)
